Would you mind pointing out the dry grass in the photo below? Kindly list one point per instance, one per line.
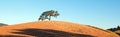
(104, 30)
(55, 29)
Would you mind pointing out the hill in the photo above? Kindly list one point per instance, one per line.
(52, 29)
(116, 30)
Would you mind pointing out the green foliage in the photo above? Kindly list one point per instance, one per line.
(48, 15)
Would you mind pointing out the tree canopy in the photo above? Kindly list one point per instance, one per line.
(48, 15)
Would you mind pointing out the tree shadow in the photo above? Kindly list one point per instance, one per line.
(49, 33)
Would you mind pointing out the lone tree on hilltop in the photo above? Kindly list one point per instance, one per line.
(48, 14)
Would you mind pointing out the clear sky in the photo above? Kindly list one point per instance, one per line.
(100, 13)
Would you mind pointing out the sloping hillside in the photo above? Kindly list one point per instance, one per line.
(52, 29)
(116, 30)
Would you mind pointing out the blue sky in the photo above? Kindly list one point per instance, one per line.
(100, 13)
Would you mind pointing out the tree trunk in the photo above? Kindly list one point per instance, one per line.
(49, 18)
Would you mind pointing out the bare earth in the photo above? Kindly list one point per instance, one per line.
(52, 29)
